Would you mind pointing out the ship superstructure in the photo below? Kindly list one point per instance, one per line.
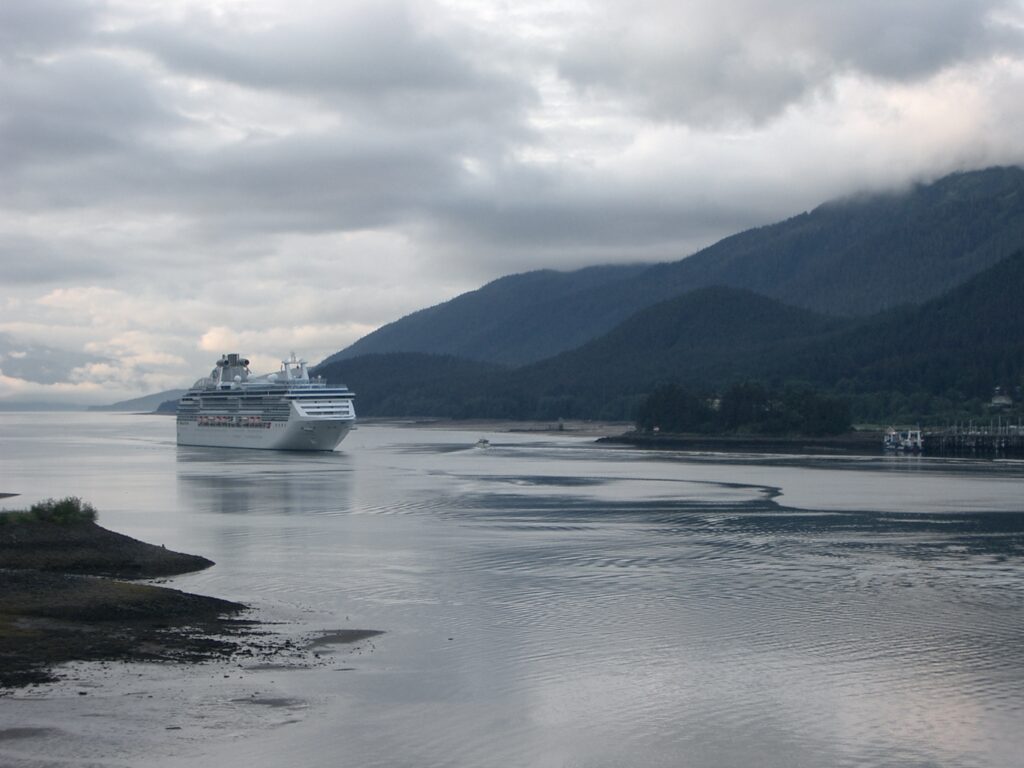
(287, 410)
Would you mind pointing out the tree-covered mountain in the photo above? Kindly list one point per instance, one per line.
(414, 384)
(851, 257)
(512, 320)
(704, 336)
(960, 345)
(868, 253)
(705, 339)
(951, 349)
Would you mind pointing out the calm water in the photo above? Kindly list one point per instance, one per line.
(549, 602)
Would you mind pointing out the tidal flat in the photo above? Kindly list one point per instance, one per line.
(63, 597)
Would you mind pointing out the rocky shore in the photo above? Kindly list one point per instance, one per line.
(62, 599)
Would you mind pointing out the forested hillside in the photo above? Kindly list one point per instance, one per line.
(957, 347)
(705, 339)
(851, 257)
(869, 253)
(413, 384)
(944, 354)
(513, 320)
(703, 336)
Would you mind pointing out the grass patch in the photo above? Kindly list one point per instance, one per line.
(70, 510)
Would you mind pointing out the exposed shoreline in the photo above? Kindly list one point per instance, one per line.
(61, 599)
(64, 596)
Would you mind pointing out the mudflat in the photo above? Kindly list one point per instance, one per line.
(85, 548)
(61, 600)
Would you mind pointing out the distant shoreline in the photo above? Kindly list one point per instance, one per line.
(573, 427)
(867, 443)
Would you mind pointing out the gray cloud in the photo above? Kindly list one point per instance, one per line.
(707, 63)
(404, 107)
(38, 363)
(75, 108)
(28, 260)
(376, 58)
(910, 39)
(29, 27)
(168, 174)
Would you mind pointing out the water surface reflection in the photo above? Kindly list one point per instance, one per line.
(553, 602)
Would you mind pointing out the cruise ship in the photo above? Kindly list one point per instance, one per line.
(284, 411)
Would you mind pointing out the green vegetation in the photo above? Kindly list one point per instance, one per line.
(906, 307)
(747, 408)
(869, 253)
(940, 361)
(514, 320)
(70, 510)
(943, 359)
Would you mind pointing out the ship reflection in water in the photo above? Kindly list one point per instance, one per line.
(246, 482)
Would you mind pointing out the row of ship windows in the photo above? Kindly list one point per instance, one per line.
(277, 412)
(231, 421)
(342, 406)
(230, 407)
(272, 397)
(249, 422)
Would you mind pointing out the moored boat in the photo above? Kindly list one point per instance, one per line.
(907, 441)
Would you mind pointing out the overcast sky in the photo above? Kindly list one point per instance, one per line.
(181, 178)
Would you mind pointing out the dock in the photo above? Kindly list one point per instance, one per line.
(997, 439)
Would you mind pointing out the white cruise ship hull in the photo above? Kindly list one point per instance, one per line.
(292, 435)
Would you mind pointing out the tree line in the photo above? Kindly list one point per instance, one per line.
(747, 407)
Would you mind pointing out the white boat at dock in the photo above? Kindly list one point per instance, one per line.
(906, 441)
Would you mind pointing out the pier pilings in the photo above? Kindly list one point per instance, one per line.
(995, 439)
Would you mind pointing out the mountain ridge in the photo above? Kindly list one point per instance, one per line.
(145, 403)
(949, 351)
(853, 256)
(501, 315)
